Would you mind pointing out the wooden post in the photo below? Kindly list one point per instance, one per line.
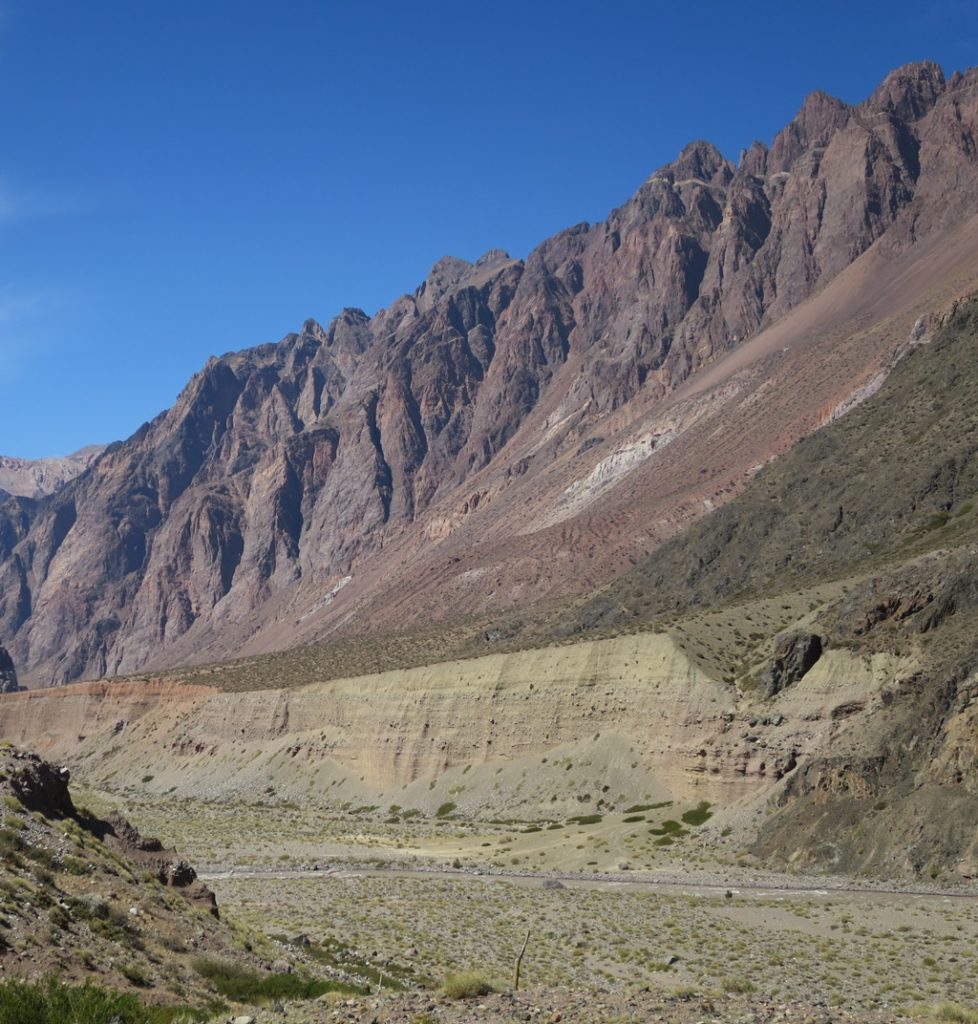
(519, 960)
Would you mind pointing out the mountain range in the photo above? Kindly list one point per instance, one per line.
(514, 433)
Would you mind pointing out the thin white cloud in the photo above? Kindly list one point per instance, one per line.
(22, 204)
(27, 328)
(7, 204)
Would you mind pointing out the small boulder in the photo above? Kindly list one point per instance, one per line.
(41, 786)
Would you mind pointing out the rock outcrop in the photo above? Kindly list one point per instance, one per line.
(40, 786)
(8, 674)
(350, 473)
(90, 903)
(151, 855)
(794, 654)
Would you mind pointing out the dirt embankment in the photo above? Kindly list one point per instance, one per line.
(626, 719)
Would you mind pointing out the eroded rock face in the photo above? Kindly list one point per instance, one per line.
(43, 787)
(794, 654)
(8, 674)
(282, 470)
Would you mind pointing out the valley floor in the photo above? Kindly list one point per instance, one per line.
(696, 930)
(571, 1006)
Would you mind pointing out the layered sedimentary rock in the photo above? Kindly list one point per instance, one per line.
(635, 715)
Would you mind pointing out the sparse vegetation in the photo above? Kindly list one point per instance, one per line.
(954, 1013)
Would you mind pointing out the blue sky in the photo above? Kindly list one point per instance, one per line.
(179, 179)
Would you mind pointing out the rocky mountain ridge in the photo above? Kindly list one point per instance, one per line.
(34, 478)
(802, 660)
(514, 429)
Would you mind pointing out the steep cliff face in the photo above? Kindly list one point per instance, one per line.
(305, 485)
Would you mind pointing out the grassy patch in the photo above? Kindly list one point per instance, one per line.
(954, 1013)
(466, 985)
(739, 986)
(51, 1002)
(247, 986)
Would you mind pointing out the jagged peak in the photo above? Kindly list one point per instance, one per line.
(451, 273)
(312, 327)
(699, 160)
(910, 91)
(442, 277)
(819, 117)
(492, 256)
(753, 160)
(821, 113)
(347, 330)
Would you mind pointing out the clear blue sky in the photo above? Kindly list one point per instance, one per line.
(179, 179)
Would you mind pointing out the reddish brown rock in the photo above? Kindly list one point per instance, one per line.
(324, 483)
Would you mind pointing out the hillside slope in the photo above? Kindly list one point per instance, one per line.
(880, 505)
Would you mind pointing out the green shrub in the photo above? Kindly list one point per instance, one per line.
(51, 1002)
(59, 917)
(136, 975)
(445, 809)
(700, 814)
(466, 985)
(739, 986)
(74, 865)
(10, 843)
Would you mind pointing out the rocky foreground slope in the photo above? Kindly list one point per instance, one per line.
(514, 429)
(87, 899)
